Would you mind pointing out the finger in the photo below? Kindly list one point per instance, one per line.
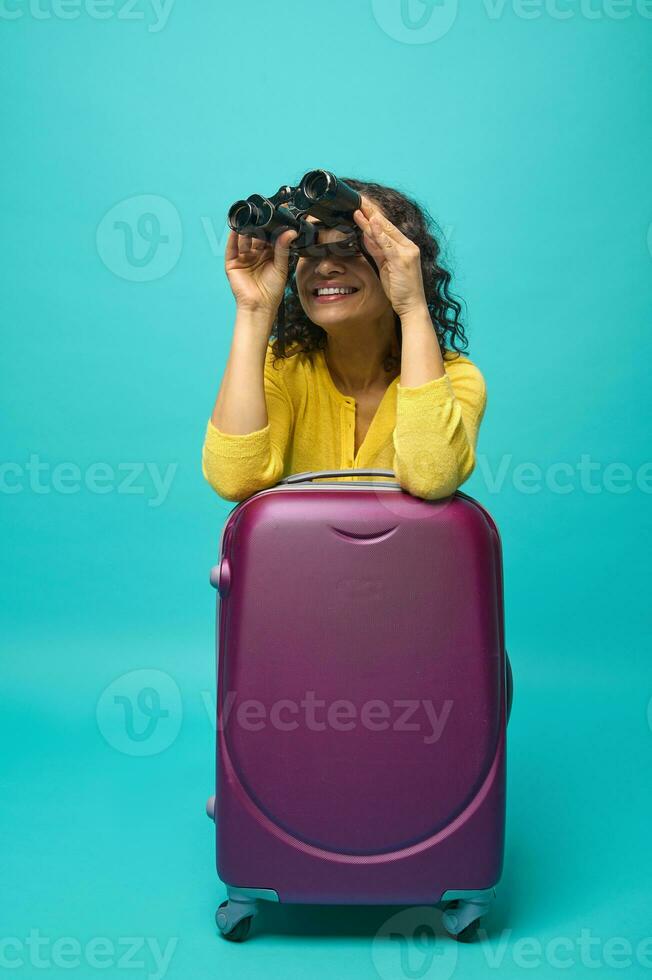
(382, 226)
(244, 244)
(371, 210)
(231, 246)
(373, 213)
(365, 225)
(282, 248)
(374, 248)
(285, 238)
(366, 206)
(361, 219)
(370, 233)
(381, 237)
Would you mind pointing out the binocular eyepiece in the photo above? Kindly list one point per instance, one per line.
(320, 194)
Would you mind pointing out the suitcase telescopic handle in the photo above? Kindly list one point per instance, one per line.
(318, 474)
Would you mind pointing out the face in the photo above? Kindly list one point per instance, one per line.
(363, 297)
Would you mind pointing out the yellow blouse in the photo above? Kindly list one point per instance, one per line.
(427, 435)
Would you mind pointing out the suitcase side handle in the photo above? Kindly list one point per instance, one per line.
(317, 474)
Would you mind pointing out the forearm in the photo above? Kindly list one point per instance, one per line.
(421, 359)
(240, 406)
(437, 422)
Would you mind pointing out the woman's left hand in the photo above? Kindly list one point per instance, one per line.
(398, 259)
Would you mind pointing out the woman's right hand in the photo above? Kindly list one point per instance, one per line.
(258, 271)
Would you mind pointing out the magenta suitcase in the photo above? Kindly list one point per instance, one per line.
(363, 697)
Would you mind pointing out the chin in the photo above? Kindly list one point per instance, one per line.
(338, 313)
(335, 320)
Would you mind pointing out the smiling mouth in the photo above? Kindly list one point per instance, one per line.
(331, 293)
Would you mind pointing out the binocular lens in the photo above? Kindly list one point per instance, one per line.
(328, 198)
(241, 214)
(262, 210)
(255, 212)
(316, 184)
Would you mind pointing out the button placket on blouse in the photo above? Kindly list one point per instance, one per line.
(348, 432)
(347, 416)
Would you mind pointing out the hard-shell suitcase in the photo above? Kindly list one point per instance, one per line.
(363, 697)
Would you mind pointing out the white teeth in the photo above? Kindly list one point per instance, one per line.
(334, 290)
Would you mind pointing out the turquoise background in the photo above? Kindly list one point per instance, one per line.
(528, 137)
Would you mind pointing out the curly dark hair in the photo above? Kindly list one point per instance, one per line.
(301, 335)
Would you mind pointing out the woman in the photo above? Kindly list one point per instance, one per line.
(373, 375)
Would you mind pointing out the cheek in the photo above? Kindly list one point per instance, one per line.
(366, 275)
(374, 291)
(299, 279)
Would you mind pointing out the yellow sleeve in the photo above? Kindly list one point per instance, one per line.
(236, 466)
(436, 431)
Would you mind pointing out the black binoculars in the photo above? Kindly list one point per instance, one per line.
(320, 194)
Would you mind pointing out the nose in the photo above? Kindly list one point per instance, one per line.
(328, 264)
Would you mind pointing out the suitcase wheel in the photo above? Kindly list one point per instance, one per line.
(456, 914)
(468, 934)
(236, 933)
